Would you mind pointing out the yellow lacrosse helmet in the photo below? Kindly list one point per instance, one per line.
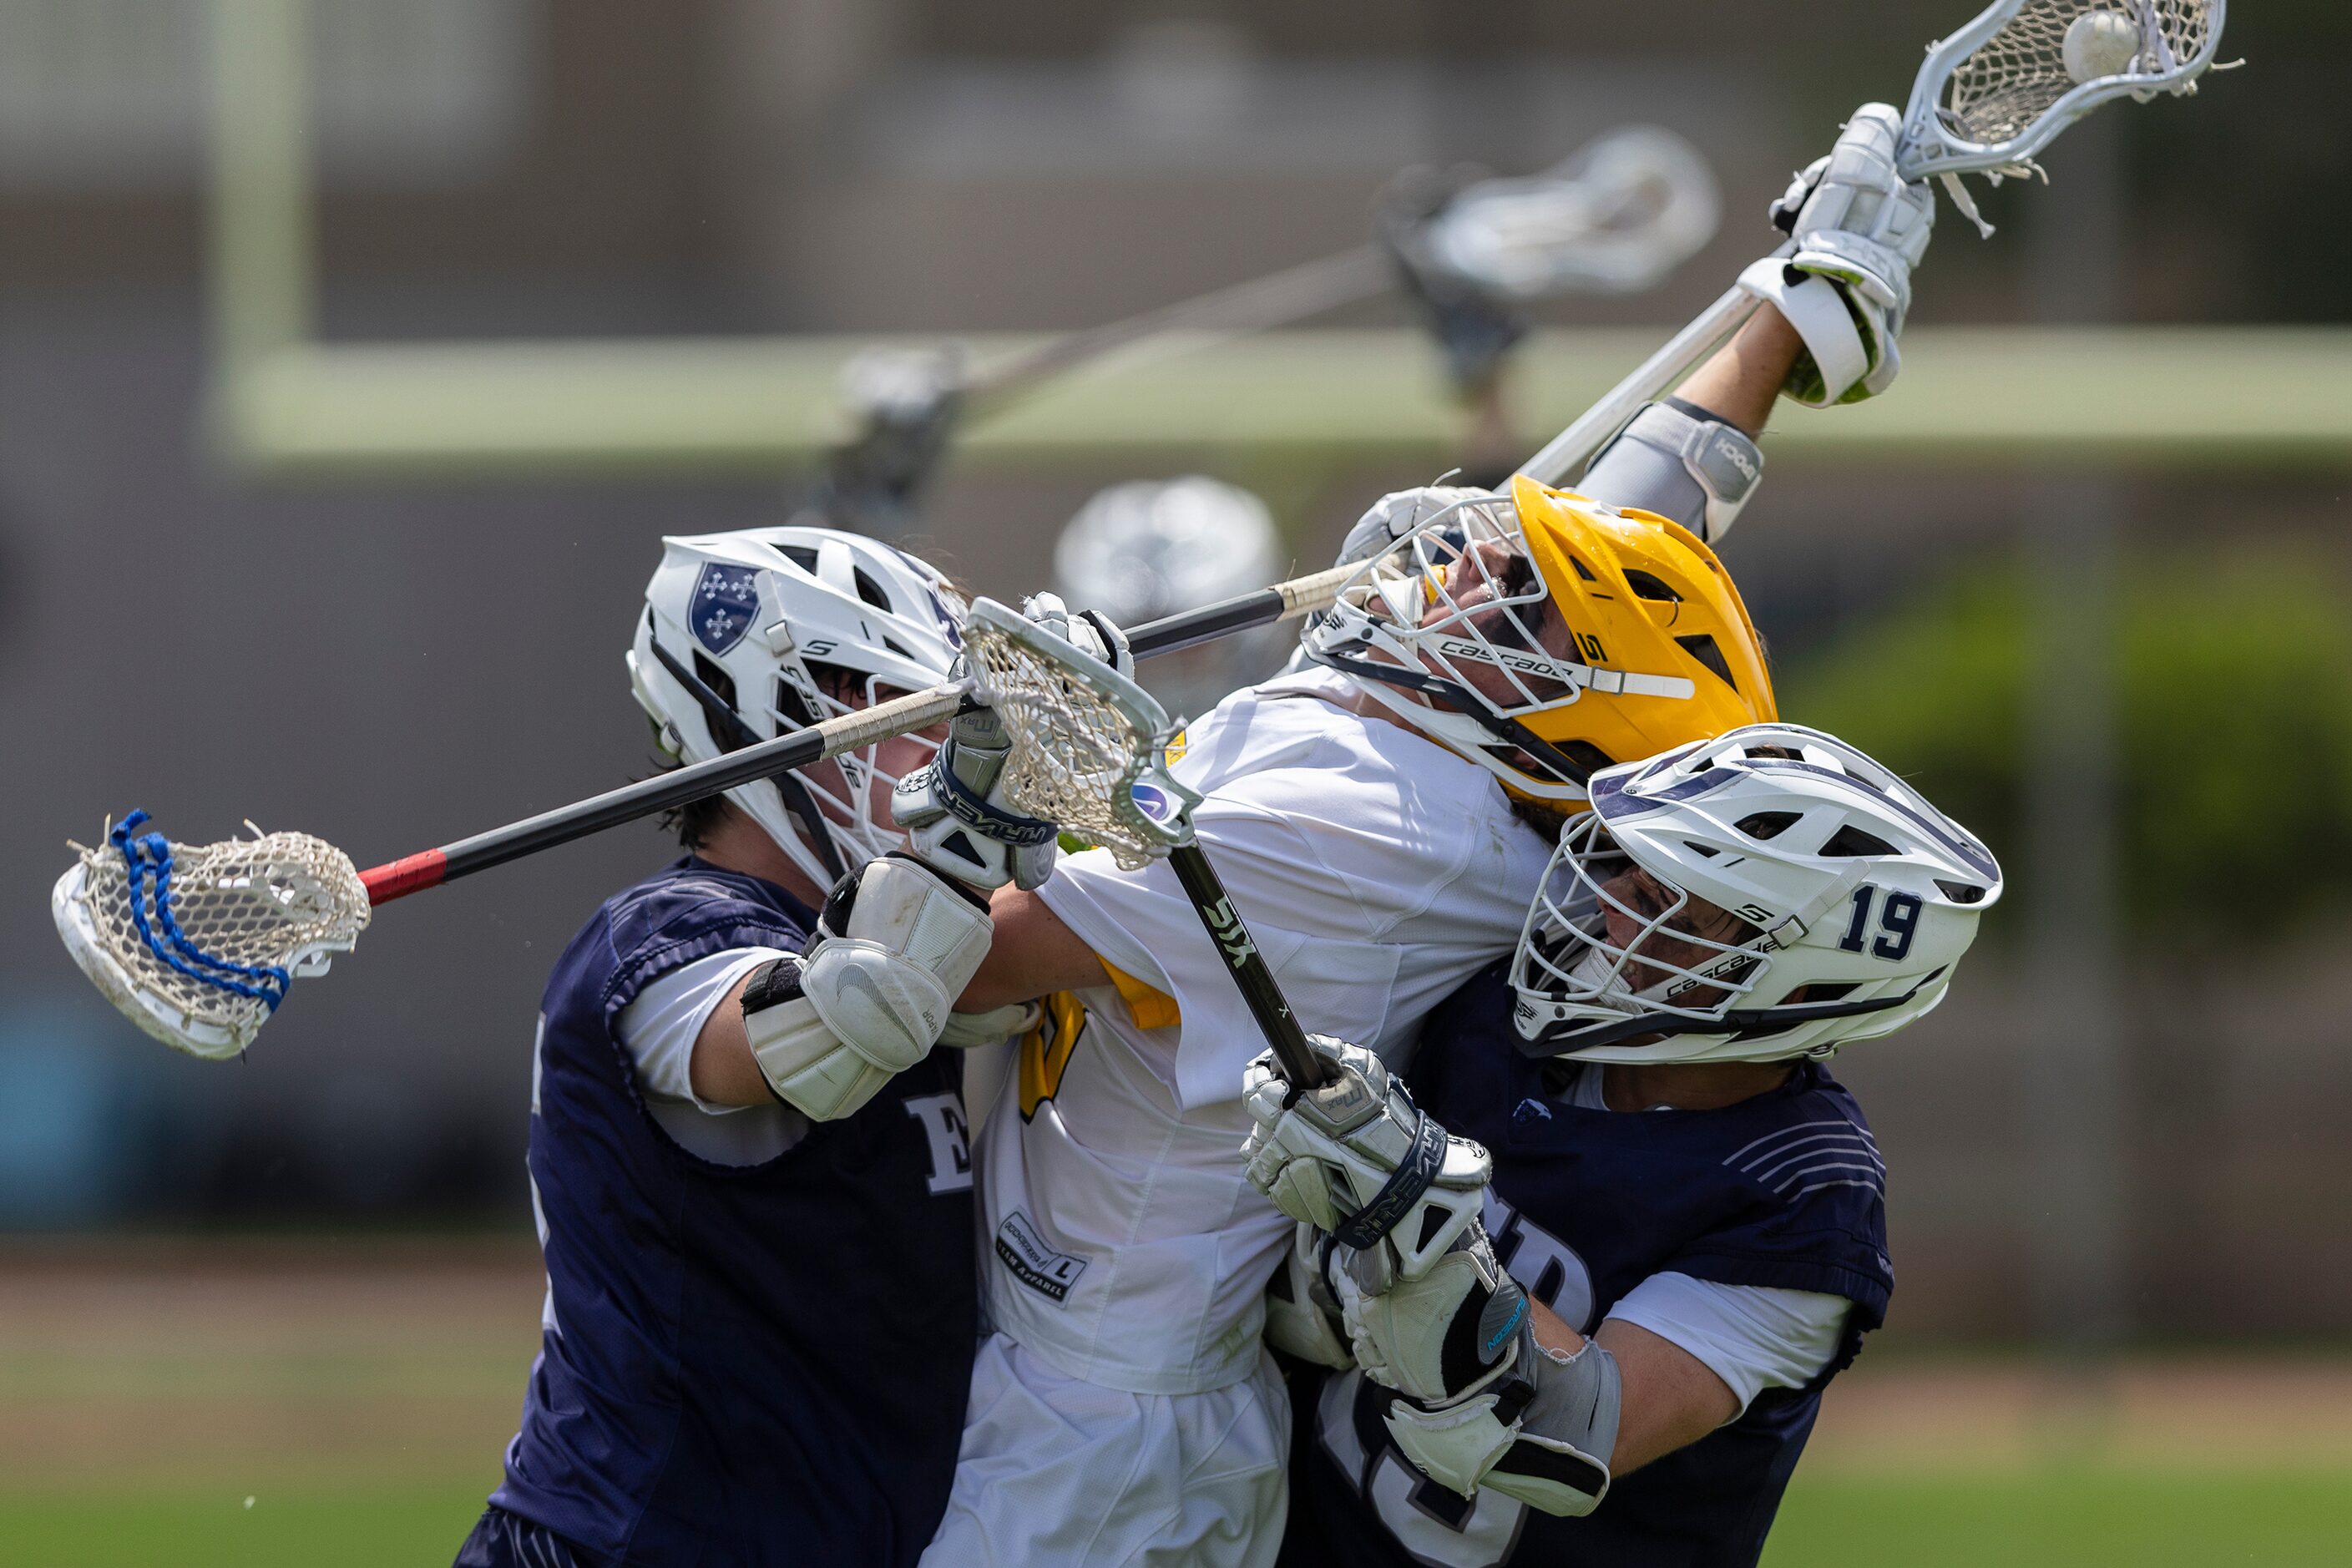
(1551, 636)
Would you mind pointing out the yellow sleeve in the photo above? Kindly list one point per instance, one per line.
(1151, 1008)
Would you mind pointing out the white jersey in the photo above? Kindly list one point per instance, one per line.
(1377, 871)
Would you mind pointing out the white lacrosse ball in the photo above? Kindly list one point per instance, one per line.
(2100, 44)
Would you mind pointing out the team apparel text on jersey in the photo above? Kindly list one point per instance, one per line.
(740, 1364)
(1784, 1190)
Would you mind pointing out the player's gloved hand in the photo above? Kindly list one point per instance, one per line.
(1481, 1403)
(1089, 631)
(955, 816)
(1303, 1317)
(1438, 1337)
(1860, 229)
(1396, 514)
(1356, 1157)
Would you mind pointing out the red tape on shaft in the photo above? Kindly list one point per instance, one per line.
(409, 874)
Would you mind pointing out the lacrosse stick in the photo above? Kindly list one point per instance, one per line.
(199, 944)
(1617, 216)
(1987, 99)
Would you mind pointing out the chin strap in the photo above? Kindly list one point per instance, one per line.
(1559, 1039)
(733, 735)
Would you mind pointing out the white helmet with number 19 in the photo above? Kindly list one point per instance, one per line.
(751, 635)
(1769, 893)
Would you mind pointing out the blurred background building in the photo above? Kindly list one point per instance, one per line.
(394, 654)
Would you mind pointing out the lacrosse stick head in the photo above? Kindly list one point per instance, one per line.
(197, 943)
(1088, 746)
(1996, 92)
(1616, 217)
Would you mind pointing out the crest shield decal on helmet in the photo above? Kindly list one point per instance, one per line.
(725, 600)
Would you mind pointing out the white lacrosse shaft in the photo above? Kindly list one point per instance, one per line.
(1565, 454)
(1930, 146)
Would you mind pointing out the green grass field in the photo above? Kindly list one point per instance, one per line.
(2085, 1520)
(360, 1399)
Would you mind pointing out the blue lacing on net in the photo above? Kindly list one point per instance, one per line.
(148, 859)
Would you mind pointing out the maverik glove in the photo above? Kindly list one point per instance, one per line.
(1303, 1317)
(1480, 1402)
(1357, 1158)
(953, 809)
(955, 816)
(1860, 229)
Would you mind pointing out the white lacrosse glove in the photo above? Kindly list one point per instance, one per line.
(1860, 229)
(1480, 1402)
(1396, 514)
(1357, 1158)
(868, 997)
(956, 818)
(954, 810)
(1303, 1317)
(1089, 631)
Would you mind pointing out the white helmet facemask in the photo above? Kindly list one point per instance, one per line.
(752, 634)
(1445, 630)
(1767, 894)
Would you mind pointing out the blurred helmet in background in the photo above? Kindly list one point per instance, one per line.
(1158, 547)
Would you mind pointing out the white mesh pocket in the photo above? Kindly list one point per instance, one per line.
(196, 943)
(2015, 76)
(1087, 743)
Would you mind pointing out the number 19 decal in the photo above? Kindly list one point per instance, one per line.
(1898, 923)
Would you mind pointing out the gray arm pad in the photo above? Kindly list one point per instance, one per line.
(1567, 1432)
(1698, 471)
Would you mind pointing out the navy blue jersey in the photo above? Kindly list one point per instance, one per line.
(1785, 1189)
(744, 1364)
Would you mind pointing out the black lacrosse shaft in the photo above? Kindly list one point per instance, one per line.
(1174, 634)
(1259, 989)
(431, 867)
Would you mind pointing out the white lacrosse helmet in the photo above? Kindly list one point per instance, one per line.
(747, 635)
(1159, 547)
(1841, 902)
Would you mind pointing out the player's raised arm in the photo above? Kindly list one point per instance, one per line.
(1827, 334)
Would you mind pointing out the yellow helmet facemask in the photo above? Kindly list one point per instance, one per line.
(1547, 636)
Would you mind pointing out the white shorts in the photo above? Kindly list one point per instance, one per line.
(1054, 1470)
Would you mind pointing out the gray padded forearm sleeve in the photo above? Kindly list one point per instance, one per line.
(1677, 460)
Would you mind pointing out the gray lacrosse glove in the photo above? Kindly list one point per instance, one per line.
(1357, 1158)
(954, 810)
(1089, 631)
(1303, 1317)
(1396, 514)
(956, 818)
(1860, 229)
(1480, 1402)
